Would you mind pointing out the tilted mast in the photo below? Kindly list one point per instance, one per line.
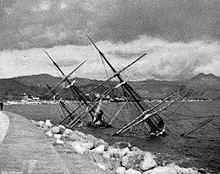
(131, 91)
(73, 88)
(61, 102)
(128, 88)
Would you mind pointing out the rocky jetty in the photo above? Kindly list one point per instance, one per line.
(120, 158)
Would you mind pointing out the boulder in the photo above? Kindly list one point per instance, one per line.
(132, 171)
(62, 129)
(61, 126)
(55, 129)
(116, 163)
(40, 124)
(122, 145)
(48, 124)
(123, 152)
(49, 134)
(99, 149)
(88, 145)
(102, 166)
(120, 170)
(60, 142)
(113, 152)
(106, 154)
(45, 128)
(77, 146)
(99, 160)
(57, 136)
(148, 161)
(184, 170)
(100, 142)
(132, 160)
(80, 136)
(67, 132)
(91, 138)
(74, 137)
(80, 133)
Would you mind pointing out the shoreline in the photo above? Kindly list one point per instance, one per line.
(131, 158)
(65, 152)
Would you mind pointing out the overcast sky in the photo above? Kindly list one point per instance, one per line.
(180, 36)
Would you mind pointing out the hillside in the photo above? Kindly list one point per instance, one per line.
(38, 80)
(206, 86)
(10, 88)
(204, 81)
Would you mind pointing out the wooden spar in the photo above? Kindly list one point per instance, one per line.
(70, 114)
(61, 102)
(128, 88)
(131, 92)
(200, 125)
(145, 115)
(66, 77)
(73, 88)
(117, 73)
(77, 119)
(118, 113)
(147, 111)
(55, 63)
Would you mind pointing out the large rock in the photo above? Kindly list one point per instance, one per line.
(59, 142)
(116, 163)
(106, 154)
(132, 171)
(99, 149)
(67, 132)
(148, 161)
(102, 166)
(92, 138)
(124, 151)
(120, 170)
(74, 137)
(79, 136)
(122, 145)
(57, 136)
(132, 160)
(55, 130)
(77, 146)
(88, 145)
(40, 124)
(46, 128)
(113, 152)
(62, 129)
(49, 134)
(100, 142)
(48, 124)
(99, 160)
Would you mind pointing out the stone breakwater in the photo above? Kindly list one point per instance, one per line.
(120, 158)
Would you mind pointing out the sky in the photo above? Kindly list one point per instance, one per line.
(181, 37)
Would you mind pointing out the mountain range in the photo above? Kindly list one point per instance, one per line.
(206, 86)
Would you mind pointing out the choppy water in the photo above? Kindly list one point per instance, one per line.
(186, 151)
(199, 149)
